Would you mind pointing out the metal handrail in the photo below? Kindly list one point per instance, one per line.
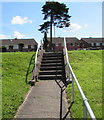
(40, 47)
(34, 75)
(86, 105)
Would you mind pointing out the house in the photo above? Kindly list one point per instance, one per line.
(92, 43)
(72, 43)
(14, 45)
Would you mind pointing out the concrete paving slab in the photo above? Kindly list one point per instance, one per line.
(43, 101)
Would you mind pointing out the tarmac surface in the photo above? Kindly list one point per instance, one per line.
(43, 101)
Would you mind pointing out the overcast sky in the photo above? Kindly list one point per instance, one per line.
(22, 20)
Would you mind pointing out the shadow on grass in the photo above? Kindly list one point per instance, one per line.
(30, 68)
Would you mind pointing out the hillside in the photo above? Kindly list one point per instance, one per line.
(14, 88)
(87, 66)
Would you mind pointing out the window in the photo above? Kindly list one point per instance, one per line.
(21, 45)
(97, 44)
(71, 44)
(11, 47)
(100, 44)
(94, 44)
(26, 46)
(15, 46)
(29, 46)
(32, 46)
(35, 47)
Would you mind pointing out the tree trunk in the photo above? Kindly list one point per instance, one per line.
(51, 19)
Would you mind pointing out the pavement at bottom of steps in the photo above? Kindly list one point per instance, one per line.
(43, 101)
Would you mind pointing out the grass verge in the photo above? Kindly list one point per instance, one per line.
(87, 66)
(14, 88)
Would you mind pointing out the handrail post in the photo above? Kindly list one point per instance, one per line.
(72, 89)
(84, 111)
(61, 104)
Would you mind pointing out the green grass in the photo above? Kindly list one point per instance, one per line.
(14, 88)
(0, 87)
(87, 66)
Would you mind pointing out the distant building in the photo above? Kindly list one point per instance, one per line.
(72, 43)
(14, 45)
(92, 43)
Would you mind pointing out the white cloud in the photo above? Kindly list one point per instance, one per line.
(73, 27)
(18, 35)
(3, 36)
(20, 20)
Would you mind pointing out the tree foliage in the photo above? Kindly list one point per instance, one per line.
(44, 27)
(56, 14)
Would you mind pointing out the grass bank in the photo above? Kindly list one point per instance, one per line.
(14, 88)
(87, 66)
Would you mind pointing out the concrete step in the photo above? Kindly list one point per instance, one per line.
(51, 61)
(50, 64)
(56, 55)
(52, 55)
(50, 72)
(51, 58)
(51, 68)
(49, 77)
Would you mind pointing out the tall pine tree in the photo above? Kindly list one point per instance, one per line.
(57, 14)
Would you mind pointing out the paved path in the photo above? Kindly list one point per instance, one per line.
(43, 101)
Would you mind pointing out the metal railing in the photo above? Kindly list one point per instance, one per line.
(70, 74)
(38, 58)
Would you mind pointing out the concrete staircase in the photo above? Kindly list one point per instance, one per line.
(47, 100)
(52, 67)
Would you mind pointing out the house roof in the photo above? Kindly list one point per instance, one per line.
(17, 41)
(72, 39)
(61, 40)
(93, 40)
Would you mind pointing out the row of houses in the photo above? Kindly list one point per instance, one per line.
(73, 43)
(15, 45)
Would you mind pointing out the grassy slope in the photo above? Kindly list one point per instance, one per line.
(0, 87)
(14, 88)
(87, 66)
